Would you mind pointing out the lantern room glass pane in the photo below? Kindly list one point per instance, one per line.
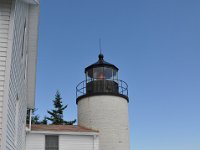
(108, 73)
(98, 73)
(115, 75)
(101, 73)
(89, 75)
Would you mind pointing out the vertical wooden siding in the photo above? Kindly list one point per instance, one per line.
(5, 9)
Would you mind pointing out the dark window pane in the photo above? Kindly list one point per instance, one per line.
(51, 142)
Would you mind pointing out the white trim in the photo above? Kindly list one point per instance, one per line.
(30, 119)
(33, 24)
(64, 133)
(95, 142)
(36, 2)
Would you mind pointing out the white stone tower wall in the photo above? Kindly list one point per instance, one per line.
(109, 115)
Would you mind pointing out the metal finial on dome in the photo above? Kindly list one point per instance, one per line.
(101, 56)
(100, 45)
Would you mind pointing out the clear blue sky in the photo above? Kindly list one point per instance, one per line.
(154, 43)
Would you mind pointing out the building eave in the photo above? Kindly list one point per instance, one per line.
(34, 11)
(62, 130)
(64, 133)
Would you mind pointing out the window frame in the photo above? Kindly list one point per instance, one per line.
(47, 147)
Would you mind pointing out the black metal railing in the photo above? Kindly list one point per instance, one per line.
(102, 86)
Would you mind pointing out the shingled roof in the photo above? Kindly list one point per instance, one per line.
(61, 128)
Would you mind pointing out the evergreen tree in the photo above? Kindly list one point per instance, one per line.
(44, 121)
(35, 119)
(56, 115)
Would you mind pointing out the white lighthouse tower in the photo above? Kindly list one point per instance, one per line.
(102, 101)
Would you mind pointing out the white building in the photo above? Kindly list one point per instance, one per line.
(61, 137)
(18, 51)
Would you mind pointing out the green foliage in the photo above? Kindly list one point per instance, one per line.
(34, 118)
(56, 115)
(44, 121)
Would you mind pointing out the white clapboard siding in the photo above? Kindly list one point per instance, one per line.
(4, 36)
(3, 31)
(2, 63)
(3, 44)
(17, 94)
(5, 10)
(3, 49)
(14, 16)
(2, 58)
(2, 54)
(75, 142)
(4, 40)
(35, 142)
(16, 113)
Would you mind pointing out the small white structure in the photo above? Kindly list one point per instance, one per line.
(102, 101)
(61, 137)
(18, 55)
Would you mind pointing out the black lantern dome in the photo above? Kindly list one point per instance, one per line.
(101, 70)
(102, 79)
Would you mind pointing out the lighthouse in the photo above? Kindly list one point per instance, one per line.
(102, 101)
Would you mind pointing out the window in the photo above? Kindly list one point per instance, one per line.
(51, 142)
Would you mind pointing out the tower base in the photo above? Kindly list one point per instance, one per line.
(109, 115)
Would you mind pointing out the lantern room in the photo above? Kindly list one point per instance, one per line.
(101, 70)
(101, 79)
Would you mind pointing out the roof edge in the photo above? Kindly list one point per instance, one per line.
(63, 129)
(101, 63)
(63, 133)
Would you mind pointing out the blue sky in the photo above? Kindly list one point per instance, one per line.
(154, 43)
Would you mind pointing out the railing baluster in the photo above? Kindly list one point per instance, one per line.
(81, 87)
